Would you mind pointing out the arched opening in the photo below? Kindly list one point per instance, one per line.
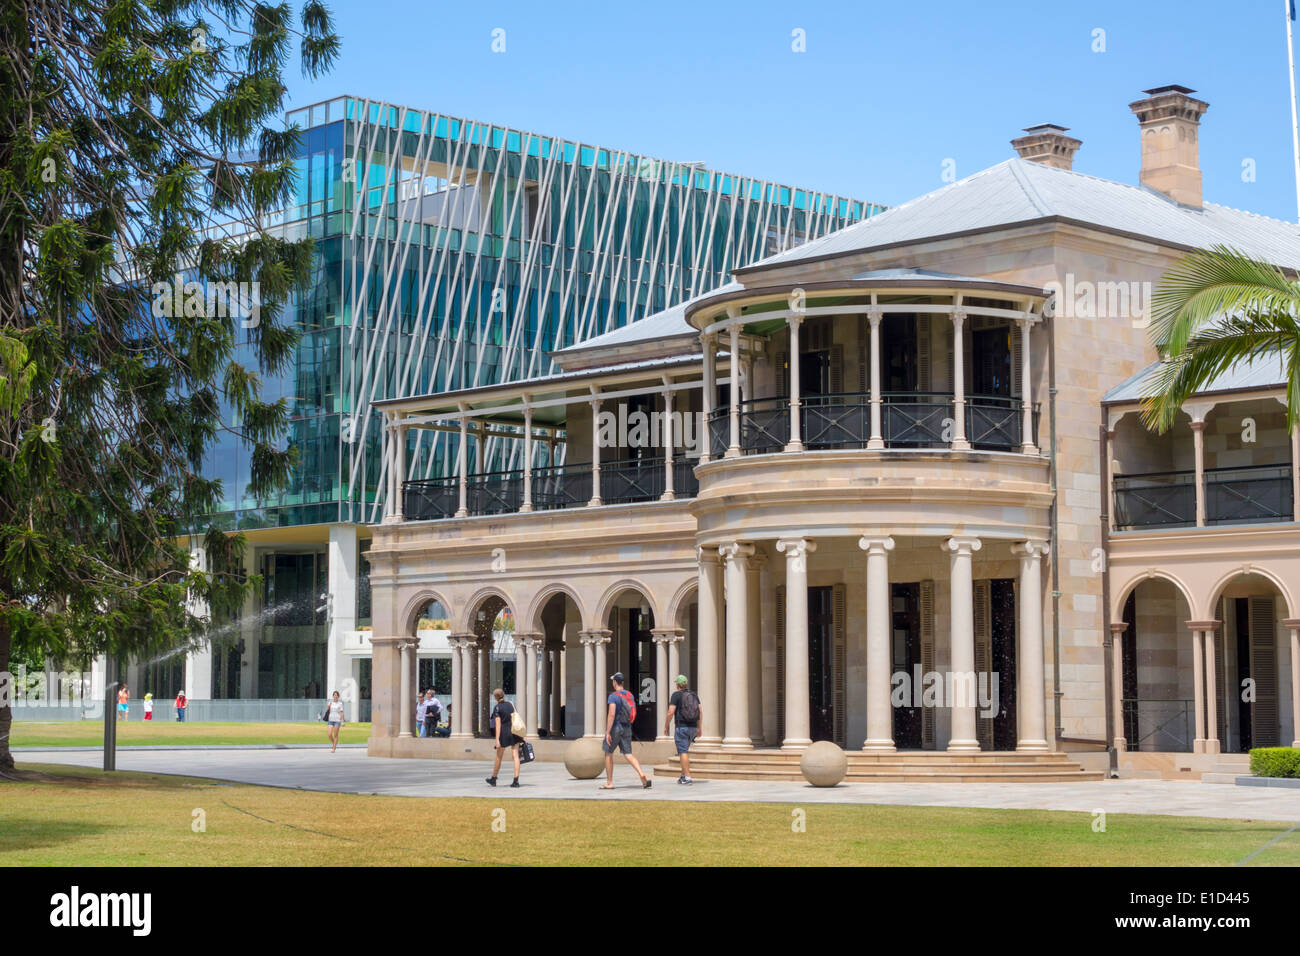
(630, 619)
(1252, 665)
(494, 659)
(1158, 693)
(558, 621)
(431, 627)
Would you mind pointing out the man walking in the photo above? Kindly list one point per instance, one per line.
(618, 732)
(684, 705)
(432, 708)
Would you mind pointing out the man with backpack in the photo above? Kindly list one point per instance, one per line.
(432, 712)
(685, 706)
(618, 732)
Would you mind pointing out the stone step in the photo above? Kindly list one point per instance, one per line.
(906, 767)
(888, 759)
(971, 775)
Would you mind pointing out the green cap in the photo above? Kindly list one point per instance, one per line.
(681, 680)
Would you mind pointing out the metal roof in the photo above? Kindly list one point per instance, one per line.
(1020, 191)
(1262, 372)
(660, 325)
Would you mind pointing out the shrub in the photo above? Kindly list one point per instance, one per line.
(1275, 762)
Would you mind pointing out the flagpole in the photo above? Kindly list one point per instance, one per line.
(1287, 8)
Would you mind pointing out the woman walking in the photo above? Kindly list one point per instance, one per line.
(503, 736)
(335, 718)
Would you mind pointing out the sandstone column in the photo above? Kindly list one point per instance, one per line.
(556, 726)
(662, 692)
(1293, 625)
(795, 441)
(736, 555)
(755, 645)
(1198, 687)
(588, 683)
(1117, 682)
(1027, 445)
(880, 717)
(1030, 699)
(959, 442)
(874, 317)
(798, 706)
(733, 375)
(963, 679)
(1211, 694)
(708, 684)
(406, 707)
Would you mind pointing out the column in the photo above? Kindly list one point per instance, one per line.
(483, 672)
(877, 440)
(736, 555)
(709, 390)
(462, 465)
(964, 737)
(1293, 624)
(959, 442)
(1198, 688)
(530, 682)
(754, 668)
(399, 457)
(1110, 477)
(521, 676)
(707, 683)
(544, 698)
(595, 501)
(674, 655)
(668, 494)
(1030, 700)
(556, 725)
(198, 663)
(1027, 445)
(342, 616)
(588, 680)
(1295, 482)
(457, 711)
(386, 681)
(798, 706)
(1198, 442)
(471, 670)
(733, 376)
(880, 717)
(662, 683)
(601, 686)
(1211, 694)
(1117, 630)
(406, 706)
(528, 459)
(795, 441)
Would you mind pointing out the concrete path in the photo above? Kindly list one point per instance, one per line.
(351, 771)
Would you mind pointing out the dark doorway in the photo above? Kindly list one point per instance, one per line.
(1246, 731)
(991, 362)
(1002, 601)
(898, 354)
(641, 672)
(1128, 693)
(821, 656)
(905, 619)
(814, 373)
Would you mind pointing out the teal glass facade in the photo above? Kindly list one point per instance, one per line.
(453, 253)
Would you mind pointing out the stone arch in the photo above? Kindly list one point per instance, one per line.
(416, 604)
(681, 600)
(1121, 593)
(533, 619)
(1207, 613)
(612, 593)
(464, 622)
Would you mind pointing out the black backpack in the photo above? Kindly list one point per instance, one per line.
(689, 711)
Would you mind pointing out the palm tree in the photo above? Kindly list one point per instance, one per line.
(1214, 309)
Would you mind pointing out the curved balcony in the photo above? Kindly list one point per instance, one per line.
(908, 420)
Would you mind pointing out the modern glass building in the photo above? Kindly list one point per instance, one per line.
(450, 253)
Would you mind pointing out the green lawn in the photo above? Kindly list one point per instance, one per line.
(134, 733)
(69, 816)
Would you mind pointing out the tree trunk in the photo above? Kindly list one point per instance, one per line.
(6, 715)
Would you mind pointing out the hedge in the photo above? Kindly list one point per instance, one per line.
(1275, 762)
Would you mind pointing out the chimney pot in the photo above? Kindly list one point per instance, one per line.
(1047, 143)
(1169, 119)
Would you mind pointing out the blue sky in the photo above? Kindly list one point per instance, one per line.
(883, 95)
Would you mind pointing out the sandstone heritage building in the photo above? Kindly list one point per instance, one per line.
(911, 447)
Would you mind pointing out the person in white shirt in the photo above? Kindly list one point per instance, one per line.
(336, 720)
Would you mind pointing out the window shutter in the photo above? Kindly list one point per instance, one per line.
(983, 656)
(1263, 667)
(864, 370)
(837, 370)
(923, 354)
(839, 661)
(927, 661)
(780, 662)
(1017, 354)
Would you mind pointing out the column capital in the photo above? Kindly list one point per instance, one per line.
(1197, 424)
(1032, 548)
(529, 638)
(958, 317)
(1197, 412)
(874, 316)
(599, 635)
(669, 635)
(1293, 623)
(1118, 627)
(462, 640)
(961, 544)
(1204, 625)
(794, 320)
(876, 543)
(736, 550)
(707, 555)
(1024, 323)
(794, 548)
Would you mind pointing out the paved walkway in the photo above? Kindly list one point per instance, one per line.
(351, 771)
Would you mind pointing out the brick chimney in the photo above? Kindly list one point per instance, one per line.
(1169, 119)
(1047, 143)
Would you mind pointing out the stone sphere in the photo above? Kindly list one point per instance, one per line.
(824, 764)
(584, 758)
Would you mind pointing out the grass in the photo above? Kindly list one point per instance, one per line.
(71, 816)
(135, 733)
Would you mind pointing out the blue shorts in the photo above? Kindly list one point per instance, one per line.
(334, 723)
(683, 738)
(620, 738)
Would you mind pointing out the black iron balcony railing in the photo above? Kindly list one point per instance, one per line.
(1247, 495)
(908, 420)
(1153, 724)
(555, 486)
